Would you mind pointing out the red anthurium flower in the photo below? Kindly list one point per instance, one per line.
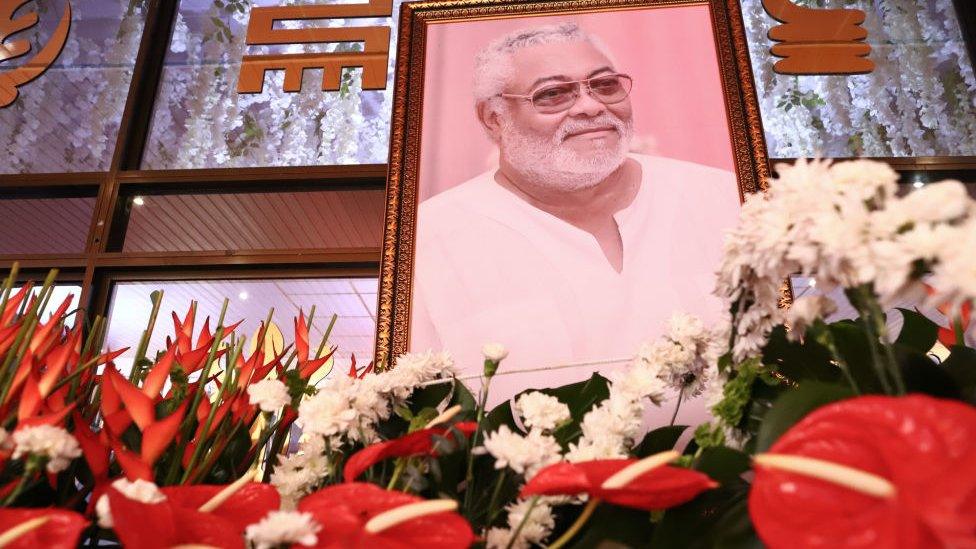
(416, 443)
(32, 528)
(360, 515)
(871, 471)
(162, 525)
(947, 336)
(646, 484)
(247, 505)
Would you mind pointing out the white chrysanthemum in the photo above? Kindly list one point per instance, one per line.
(805, 310)
(268, 394)
(298, 474)
(542, 411)
(683, 356)
(344, 407)
(494, 351)
(139, 490)
(856, 233)
(54, 444)
(283, 527)
(524, 455)
(537, 527)
(409, 371)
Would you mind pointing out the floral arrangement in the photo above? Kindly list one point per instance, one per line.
(835, 434)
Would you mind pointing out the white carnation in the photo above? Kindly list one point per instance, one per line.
(283, 527)
(524, 455)
(494, 351)
(268, 394)
(139, 490)
(54, 444)
(541, 411)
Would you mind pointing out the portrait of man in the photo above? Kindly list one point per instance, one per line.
(572, 247)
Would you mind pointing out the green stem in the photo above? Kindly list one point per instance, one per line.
(469, 475)
(401, 464)
(492, 509)
(24, 478)
(677, 406)
(580, 521)
(525, 518)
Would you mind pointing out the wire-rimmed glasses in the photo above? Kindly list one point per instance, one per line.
(553, 98)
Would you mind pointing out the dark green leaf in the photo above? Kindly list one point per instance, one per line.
(692, 525)
(501, 415)
(722, 464)
(660, 440)
(918, 332)
(793, 405)
(800, 361)
(853, 345)
(613, 526)
(923, 375)
(734, 529)
(961, 366)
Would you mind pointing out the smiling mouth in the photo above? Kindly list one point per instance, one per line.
(603, 129)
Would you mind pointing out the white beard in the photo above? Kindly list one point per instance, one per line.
(550, 164)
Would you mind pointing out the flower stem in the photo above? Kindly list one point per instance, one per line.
(575, 528)
(677, 406)
(525, 518)
(492, 511)
(28, 473)
(469, 475)
(397, 471)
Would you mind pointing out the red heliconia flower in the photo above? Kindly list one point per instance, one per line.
(624, 482)
(416, 443)
(871, 471)
(357, 515)
(947, 335)
(60, 528)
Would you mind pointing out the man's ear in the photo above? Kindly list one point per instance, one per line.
(489, 117)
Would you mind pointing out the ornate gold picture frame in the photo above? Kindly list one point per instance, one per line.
(422, 46)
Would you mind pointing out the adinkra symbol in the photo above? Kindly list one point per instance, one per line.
(13, 78)
(818, 41)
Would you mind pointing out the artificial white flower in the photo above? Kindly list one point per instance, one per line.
(268, 394)
(494, 351)
(524, 455)
(805, 310)
(542, 411)
(139, 490)
(283, 527)
(54, 444)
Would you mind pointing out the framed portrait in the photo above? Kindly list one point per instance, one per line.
(561, 175)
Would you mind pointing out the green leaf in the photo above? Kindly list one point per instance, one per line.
(923, 375)
(693, 525)
(793, 405)
(430, 396)
(610, 523)
(853, 345)
(501, 415)
(918, 332)
(961, 366)
(724, 465)
(806, 361)
(659, 440)
(734, 529)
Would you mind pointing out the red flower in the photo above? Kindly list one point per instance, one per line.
(872, 472)
(347, 512)
(416, 443)
(187, 512)
(55, 529)
(650, 485)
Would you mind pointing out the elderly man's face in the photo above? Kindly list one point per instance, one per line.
(587, 127)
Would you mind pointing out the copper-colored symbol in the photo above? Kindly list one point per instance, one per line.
(12, 79)
(818, 41)
(373, 59)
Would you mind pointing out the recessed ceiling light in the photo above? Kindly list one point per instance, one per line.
(242, 296)
(812, 282)
(918, 184)
(138, 201)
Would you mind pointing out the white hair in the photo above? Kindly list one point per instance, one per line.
(493, 67)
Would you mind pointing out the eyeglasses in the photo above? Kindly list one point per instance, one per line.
(606, 88)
